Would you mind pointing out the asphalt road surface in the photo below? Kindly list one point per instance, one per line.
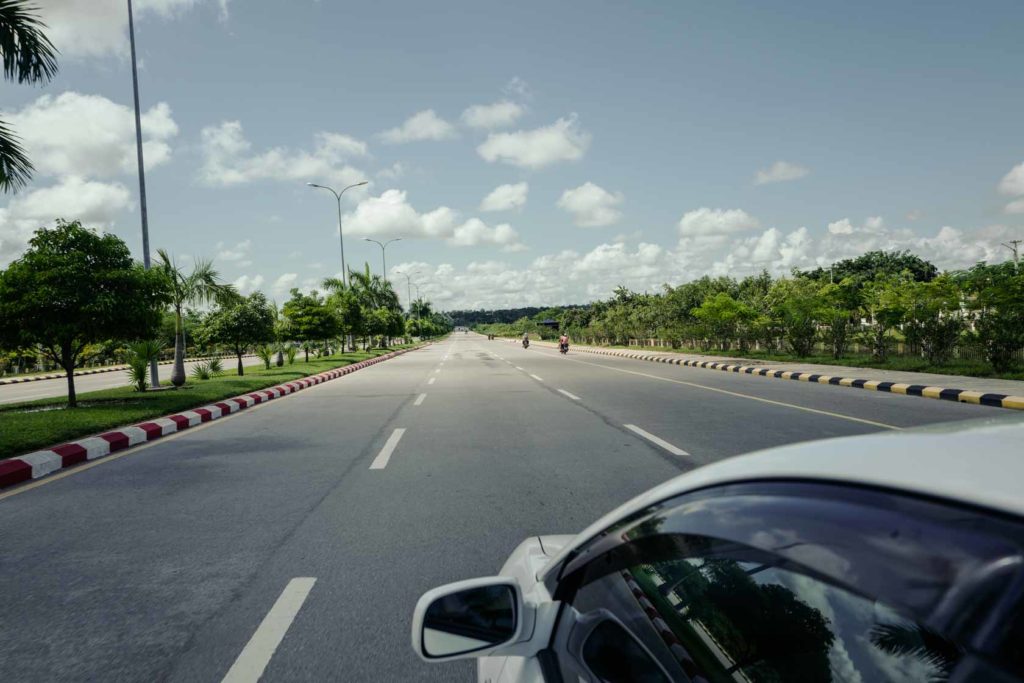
(45, 388)
(332, 510)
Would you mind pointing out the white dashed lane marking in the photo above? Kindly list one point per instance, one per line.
(537, 378)
(419, 399)
(257, 652)
(572, 396)
(431, 380)
(381, 461)
(656, 440)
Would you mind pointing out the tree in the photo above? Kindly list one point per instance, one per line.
(239, 324)
(29, 57)
(201, 286)
(309, 318)
(874, 264)
(998, 301)
(798, 306)
(73, 288)
(934, 318)
(721, 316)
(885, 302)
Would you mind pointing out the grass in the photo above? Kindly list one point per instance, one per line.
(33, 425)
(965, 368)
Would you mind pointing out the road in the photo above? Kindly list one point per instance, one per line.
(45, 388)
(162, 563)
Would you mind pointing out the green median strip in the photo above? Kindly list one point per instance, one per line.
(35, 425)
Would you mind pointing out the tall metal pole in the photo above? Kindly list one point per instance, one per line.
(1013, 247)
(383, 258)
(341, 236)
(154, 372)
(341, 242)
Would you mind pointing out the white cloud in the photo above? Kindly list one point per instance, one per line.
(711, 222)
(284, 284)
(497, 115)
(1013, 182)
(99, 27)
(246, 284)
(424, 125)
(517, 87)
(1016, 206)
(228, 159)
(239, 252)
(591, 205)
(779, 172)
(841, 227)
(89, 135)
(96, 204)
(561, 141)
(475, 232)
(392, 172)
(392, 216)
(506, 197)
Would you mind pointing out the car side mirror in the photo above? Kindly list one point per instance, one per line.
(467, 618)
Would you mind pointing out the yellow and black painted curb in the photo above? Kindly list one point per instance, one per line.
(922, 390)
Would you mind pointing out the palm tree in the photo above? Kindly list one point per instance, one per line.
(201, 286)
(29, 57)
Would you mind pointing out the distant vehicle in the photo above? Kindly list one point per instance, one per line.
(526, 343)
(894, 557)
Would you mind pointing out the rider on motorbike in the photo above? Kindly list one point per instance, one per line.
(563, 343)
(526, 339)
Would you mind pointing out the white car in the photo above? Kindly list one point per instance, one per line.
(891, 557)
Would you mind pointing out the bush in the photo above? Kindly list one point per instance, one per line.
(201, 371)
(290, 352)
(266, 354)
(216, 366)
(139, 357)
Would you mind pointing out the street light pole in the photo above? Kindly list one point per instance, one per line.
(383, 248)
(341, 237)
(408, 285)
(154, 372)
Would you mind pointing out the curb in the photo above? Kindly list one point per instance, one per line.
(922, 390)
(112, 368)
(41, 463)
(675, 647)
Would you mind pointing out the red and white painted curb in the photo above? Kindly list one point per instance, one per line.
(41, 463)
(667, 635)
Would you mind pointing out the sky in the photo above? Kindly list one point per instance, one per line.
(530, 153)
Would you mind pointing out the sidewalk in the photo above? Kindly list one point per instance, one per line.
(35, 377)
(1001, 393)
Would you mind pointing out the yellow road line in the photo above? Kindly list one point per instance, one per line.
(746, 396)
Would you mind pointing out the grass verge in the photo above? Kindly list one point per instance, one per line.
(34, 425)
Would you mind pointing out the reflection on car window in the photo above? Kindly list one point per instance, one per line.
(613, 656)
(722, 619)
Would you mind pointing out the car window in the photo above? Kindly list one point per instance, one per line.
(711, 608)
(613, 655)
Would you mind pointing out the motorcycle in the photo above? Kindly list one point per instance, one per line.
(526, 343)
(563, 348)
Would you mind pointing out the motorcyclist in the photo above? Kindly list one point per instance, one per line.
(563, 342)
(526, 339)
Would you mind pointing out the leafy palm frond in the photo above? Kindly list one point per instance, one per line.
(28, 55)
(15, 167)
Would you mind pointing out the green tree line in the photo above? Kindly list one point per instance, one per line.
(76, 295)
(878, 301)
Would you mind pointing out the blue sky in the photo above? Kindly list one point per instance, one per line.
(638, 143)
